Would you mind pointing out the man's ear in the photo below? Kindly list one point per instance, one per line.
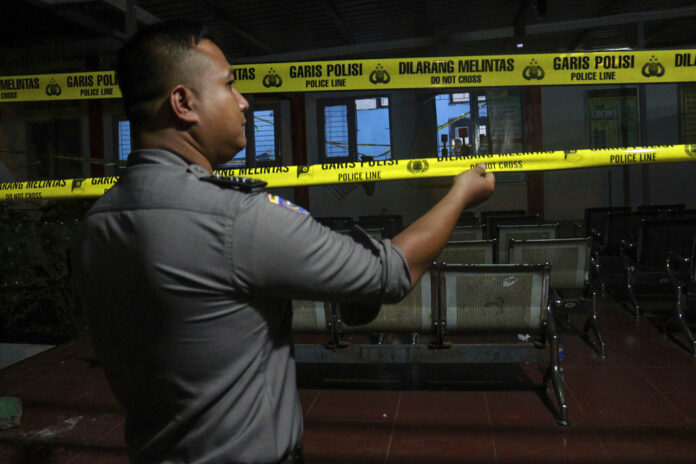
(182, 101)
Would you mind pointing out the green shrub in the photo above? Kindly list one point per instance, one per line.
(37, 301)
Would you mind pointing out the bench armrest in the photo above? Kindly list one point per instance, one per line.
(678, 279)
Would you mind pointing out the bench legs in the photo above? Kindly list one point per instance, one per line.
(680, 320)
(554, 372)
(593, 323)
(631, 295)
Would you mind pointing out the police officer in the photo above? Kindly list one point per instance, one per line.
(186, 279)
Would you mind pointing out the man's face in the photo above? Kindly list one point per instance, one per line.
(221, 107)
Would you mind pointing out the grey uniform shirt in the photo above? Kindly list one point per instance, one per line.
(186, 287)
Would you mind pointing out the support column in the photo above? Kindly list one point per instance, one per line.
(131, 21)
(298, 118)
(96, 136)
(643, 118)
(534, 142)
(96, 126)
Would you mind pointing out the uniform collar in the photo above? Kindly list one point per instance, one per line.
(155, 156)
(164, 157)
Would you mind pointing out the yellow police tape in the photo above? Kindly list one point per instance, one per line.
(618, 67)
(374, 171)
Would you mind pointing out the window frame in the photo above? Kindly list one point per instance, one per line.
(473, 126)
(352, 119)
(251, 161)
(681, 112)
(116, 119)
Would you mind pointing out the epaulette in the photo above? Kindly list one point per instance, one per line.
(245, 184)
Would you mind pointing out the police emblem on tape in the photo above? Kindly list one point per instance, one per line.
(653, 68)
(303, 170)
(379, 76)
(533, 71)
(417, 166)
(272, 79)
(76, 185)
(690, 150)
(283, 203)
(53, 89)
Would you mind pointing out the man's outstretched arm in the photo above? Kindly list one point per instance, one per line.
(423, 240)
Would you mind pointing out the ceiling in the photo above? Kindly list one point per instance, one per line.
(36, 32)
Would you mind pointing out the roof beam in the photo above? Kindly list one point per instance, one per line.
(230, 23)
(581, 36)
(471, 36)
(518, 22)
(655, 31)
(612, 20)
(62, 51)
(338, 22)
(141, 15)
(80, 18)
(381, 46)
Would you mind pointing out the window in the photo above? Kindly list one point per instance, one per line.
(263, 138)
(123, 139)
(455, 125)
(687, 113)
(504, 117)
(336, 126)
(479, 123)
(613, 118)
(354, 129)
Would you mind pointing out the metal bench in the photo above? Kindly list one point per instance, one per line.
(390, 225)
(468, 252)
(505, 234)
(571, 284)
(657, 241)
(462, 233)
(492, 223)
(593, 223)
(685, 285)
(467, 218)
(412, 315)
(503, 298)
(455, 299)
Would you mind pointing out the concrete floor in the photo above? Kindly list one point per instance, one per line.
(637, 406)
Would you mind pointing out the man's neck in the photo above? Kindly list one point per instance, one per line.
(172, 140)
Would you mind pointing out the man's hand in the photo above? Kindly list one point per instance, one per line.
(423, 240)
(475, 185)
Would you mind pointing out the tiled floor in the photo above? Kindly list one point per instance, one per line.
(637, 406)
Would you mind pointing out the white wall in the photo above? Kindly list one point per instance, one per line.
(566, 126)
(672, 182)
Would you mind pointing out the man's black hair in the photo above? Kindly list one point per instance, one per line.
(152, 61)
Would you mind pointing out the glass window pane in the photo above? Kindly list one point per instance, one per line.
(336, 130)
(124, 140)
(482, 106)
(239, 160)
(374, 140)
(451, 117)
(505, 121)
(366, 104)
(264, 135)
(687, 108)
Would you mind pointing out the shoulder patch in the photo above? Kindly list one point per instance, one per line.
(283, 203)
